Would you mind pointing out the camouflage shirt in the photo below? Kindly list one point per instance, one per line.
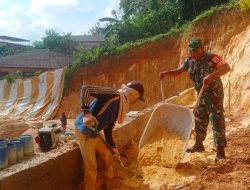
(198, 69)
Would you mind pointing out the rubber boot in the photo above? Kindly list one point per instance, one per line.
(220, 153)
(198, 147)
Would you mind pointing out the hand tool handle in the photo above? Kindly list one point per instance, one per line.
(199, 97)
(198, 100)
(162, 92)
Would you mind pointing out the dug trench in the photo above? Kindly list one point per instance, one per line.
(146, 168)
(196, 171)
(61, 168)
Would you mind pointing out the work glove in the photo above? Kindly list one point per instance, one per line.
(90, 121)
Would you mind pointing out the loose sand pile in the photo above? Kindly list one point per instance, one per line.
(164, 149)
(154, 166)
(12, 128)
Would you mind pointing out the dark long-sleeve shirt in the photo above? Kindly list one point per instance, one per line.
(101, 93)
(107, 118)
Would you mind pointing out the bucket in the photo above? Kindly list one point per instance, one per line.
(3, 141)
(3, 156)
(12, 155)
(19, 149)
(28, 145)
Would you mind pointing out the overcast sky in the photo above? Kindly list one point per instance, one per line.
(29, 19)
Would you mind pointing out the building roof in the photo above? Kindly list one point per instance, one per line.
(14, 46)
(36, 58)
(13, 39)
(88, 38)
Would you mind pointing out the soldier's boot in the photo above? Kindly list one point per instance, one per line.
(198, 147)
(220, 153)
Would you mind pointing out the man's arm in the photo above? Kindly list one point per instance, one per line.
(108, 132)
(173, 72)
(220, 71)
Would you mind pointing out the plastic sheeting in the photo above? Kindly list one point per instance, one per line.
(32, 99)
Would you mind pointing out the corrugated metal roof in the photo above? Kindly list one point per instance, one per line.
(13, 39)
(37, 58)
(14, 45)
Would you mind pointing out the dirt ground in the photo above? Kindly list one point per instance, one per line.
(197, 171)
(234, 172)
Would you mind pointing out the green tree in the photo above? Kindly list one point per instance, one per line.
(191, 8)
(114, 23)
(56, 42)
(244, 5)
(4, 51)
(39, 45)
(19, 74)
(10, 78)
(153, 5)
(160, 17)
(97, 29)
(138, 5)
(146, 18)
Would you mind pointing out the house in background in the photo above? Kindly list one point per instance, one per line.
(39, 60)
(36, 60)
(17, 44)
(87, 41)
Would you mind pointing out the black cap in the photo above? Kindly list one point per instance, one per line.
(138, 87)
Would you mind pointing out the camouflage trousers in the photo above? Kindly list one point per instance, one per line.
(211, 108)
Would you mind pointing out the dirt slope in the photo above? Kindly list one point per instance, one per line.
(226, 33)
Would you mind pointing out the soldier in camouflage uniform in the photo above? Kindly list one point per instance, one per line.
(204, 70)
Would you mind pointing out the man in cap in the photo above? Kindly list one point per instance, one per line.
(107, 107)
(204, 70)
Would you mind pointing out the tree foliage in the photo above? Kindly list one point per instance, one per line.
(152, 17)
(56, 42)
(115, 23)
(245, 5)
(10, 78)
(4, 51)
(150, 20)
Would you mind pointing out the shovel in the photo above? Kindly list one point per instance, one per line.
(111, 150)
(197, 102)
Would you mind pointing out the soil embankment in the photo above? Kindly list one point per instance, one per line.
(226, 33)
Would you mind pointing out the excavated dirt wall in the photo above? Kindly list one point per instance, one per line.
(62, 171)
(226, 33)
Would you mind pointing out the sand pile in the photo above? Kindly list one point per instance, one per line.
(152, 166)
(12, 128)
(164, 149)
